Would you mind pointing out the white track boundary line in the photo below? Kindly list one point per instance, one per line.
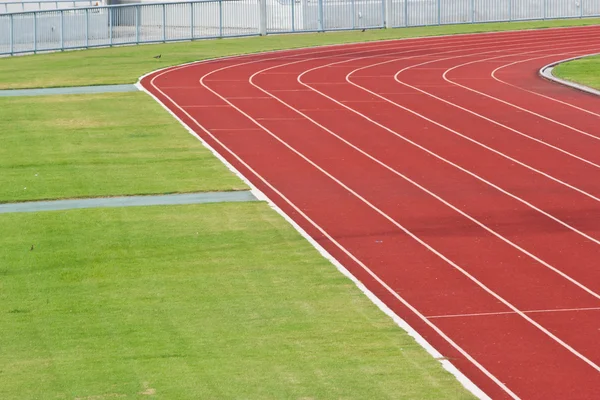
(382, 306)
(559, 310)
(409, 233)
(448, 366)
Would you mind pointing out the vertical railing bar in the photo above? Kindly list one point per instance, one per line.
(34, 32)
(137, 13)
(220, 18)
(12, 39)
(87, 27)
(293, 15)
(110, 38)
(164, 22)
(62, 30)
(510, 10)
(439, 12)
(406, 13)
(383, 14)
(472, 11)
(353, 14)
(320, 15)
(191, 20)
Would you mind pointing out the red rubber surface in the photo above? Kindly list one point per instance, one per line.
(458, 186)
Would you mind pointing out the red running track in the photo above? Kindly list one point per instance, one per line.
(443, 173)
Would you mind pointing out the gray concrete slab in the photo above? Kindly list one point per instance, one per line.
(69, 90)
(128, 201)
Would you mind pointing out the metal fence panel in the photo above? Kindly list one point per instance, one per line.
(240, 18)
(492, 10)
(422, 12)
(590, 8)
(157, 22)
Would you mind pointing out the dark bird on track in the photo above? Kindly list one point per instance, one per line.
(158, 56)
(31, 249)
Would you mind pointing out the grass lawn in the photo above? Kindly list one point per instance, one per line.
(100, 145)
(585, 71)
(221, 301)
(127, 64)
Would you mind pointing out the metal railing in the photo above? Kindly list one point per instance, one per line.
(22, 6)
(84, 27)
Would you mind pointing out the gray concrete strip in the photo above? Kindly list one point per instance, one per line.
(546, 72)
(69, 90)
(129, 201)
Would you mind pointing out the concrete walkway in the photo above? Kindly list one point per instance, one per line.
(69, 90)
(128, 201)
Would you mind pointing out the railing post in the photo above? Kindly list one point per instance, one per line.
(320, 17)
(87, 27)
(191, 21)
(62, 30)
(581, 8)
(293, 15)
(545, 8)
(34, 32)
(12, 39)
(110, 39)
(383, 13)
(472, 11)
(388, 13)
(137, 24)
(262, 17)
(353, 14)
(406, 13)
(220, 18)
(510, 10)
(164, 22)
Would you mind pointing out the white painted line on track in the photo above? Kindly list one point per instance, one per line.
(560, 310)
(413, 236)
(338, 265)
(493, 75)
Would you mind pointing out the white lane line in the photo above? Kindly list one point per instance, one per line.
(559, 310)
(520, 133)
(466, 382)
(508, 103)
(406, 231)
(530, 205)
(540, 94)
(412, 182)
(379, 280)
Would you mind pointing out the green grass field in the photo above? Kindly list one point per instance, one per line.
(223, 301)
(127, 64)
(585, 71)
(100, 145)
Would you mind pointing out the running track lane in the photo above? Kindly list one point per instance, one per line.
(447, 201)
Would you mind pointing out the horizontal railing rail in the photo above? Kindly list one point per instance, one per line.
(23, 6)
(95, 26)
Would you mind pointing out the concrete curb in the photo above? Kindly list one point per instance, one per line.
(546, 73)
(129, 201)
(69, 90)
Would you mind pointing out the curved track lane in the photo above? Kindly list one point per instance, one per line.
(458, 186)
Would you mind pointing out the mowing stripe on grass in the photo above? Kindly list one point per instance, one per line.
(129, 201)
(69, 90)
